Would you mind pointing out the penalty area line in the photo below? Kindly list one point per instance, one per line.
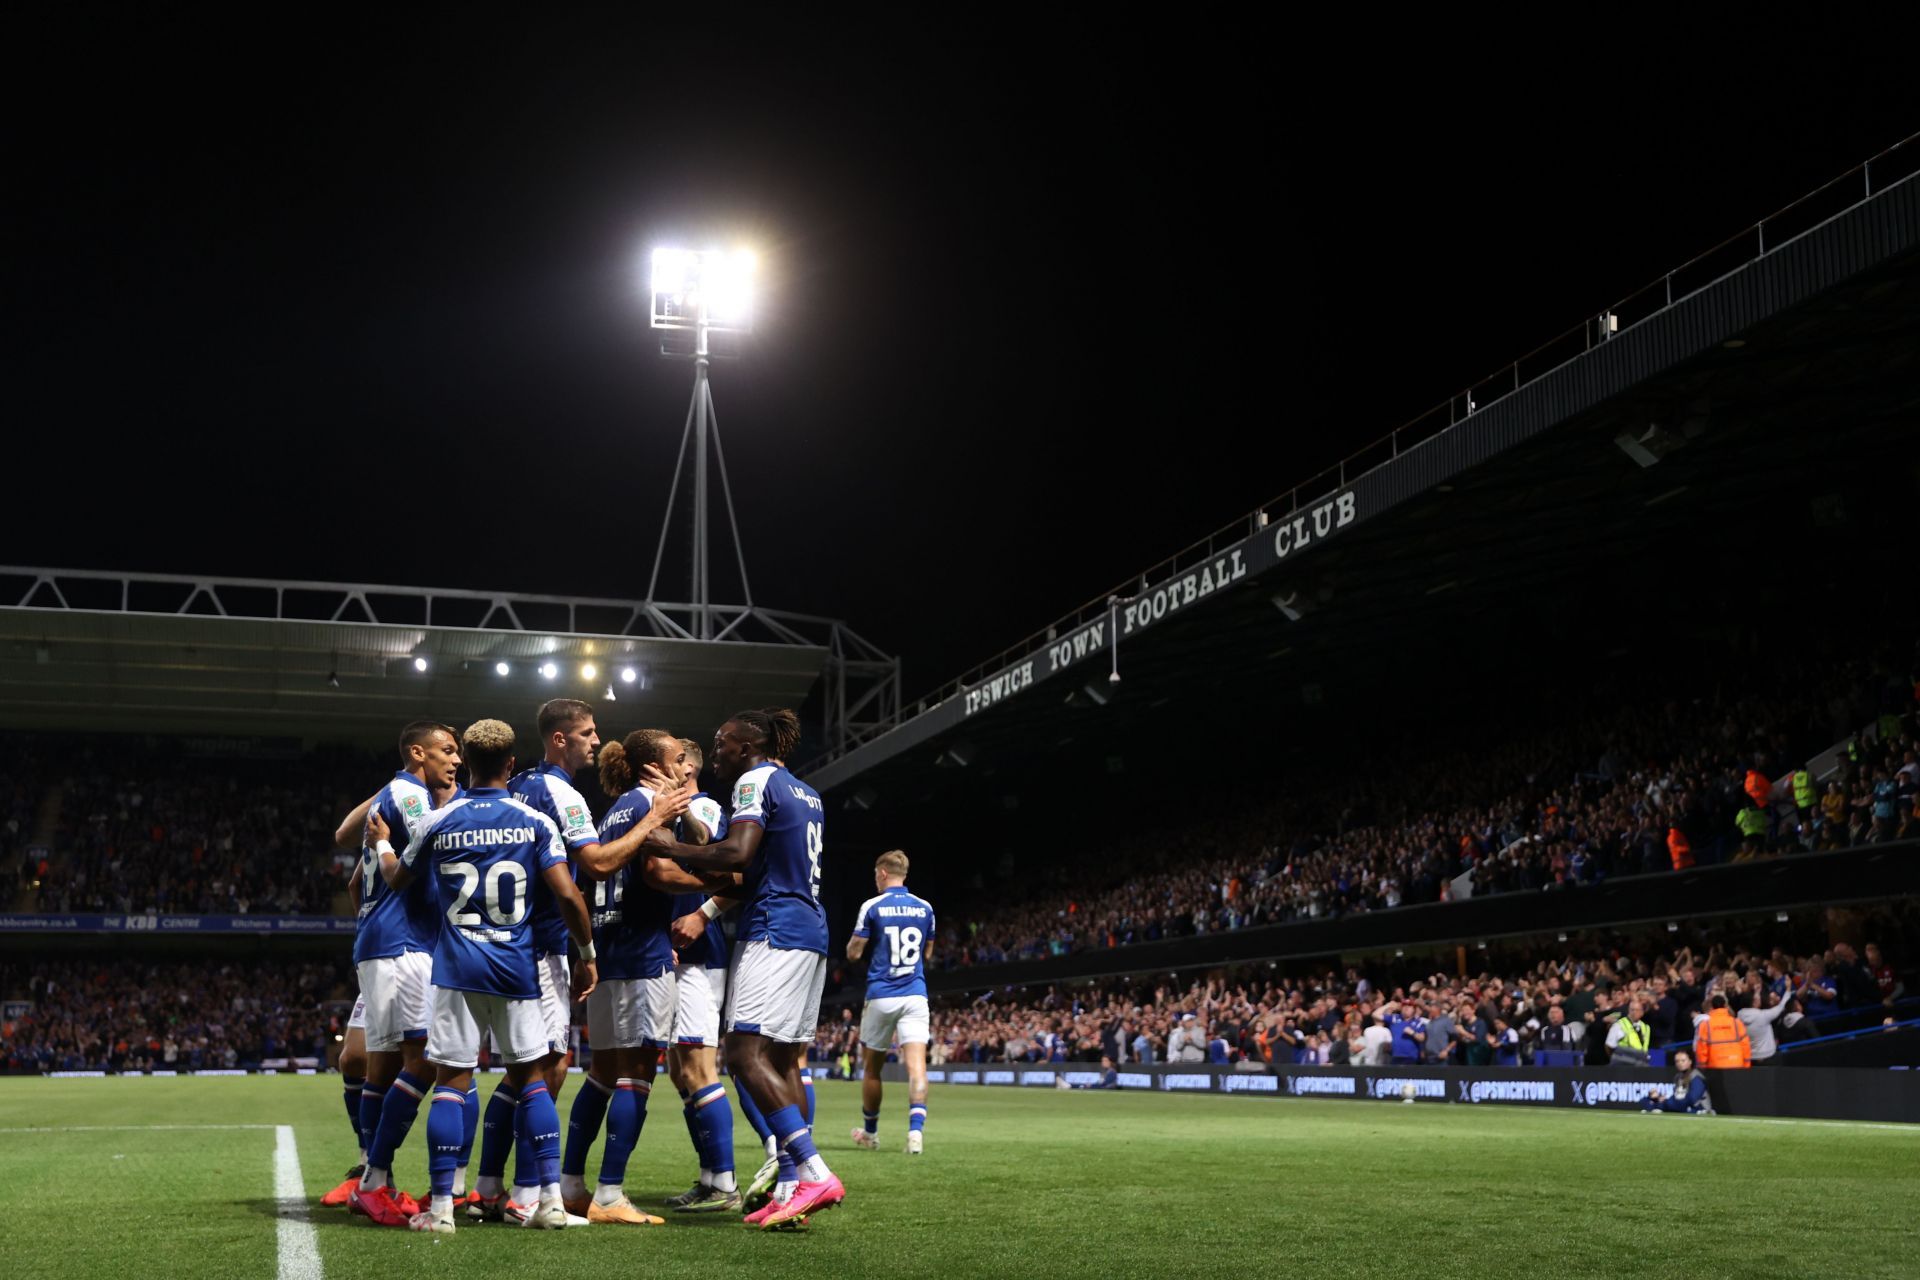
(299, 1248)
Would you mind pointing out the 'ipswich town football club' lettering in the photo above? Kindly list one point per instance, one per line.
(1252, 555)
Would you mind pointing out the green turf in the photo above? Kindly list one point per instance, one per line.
(1014, 1182)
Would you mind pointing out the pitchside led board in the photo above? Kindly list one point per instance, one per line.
(710, 287)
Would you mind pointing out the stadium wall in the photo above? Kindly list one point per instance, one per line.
(1868, 873)
(1812, 1093)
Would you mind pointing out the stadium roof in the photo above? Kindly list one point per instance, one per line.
(1732, 381)
(336, 662)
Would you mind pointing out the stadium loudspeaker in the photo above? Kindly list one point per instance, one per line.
(1651, 446)
(1293, 606)
(1095, 694)
(957, 756)
(862, 799)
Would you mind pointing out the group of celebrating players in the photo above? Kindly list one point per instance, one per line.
(505, 903)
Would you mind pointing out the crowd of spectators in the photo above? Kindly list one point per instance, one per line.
(1573, 1004)
(108, 1016)
(1638, 789)
(156, 830)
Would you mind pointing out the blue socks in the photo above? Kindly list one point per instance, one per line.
(796, 1141)
(917, 1117)
(583, 1124)
(711, 1120)
(397, 1113)
(872, 1120)
(537, 1122)
(496, 1131)
(469, 1123)
(626, 1115)
(446, 1137)
(350, 1087)
(371, 1100)
(806, 1083)
(751, 1109)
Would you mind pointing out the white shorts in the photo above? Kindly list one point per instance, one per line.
(556, 1000)
(358, 1018)
(631, 1013)
(398, 991)
(696, 1016)
(887, 1018)
(776, 993)
(461, 1018)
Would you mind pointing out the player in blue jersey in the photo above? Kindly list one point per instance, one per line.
(392, 951)
(775, 838)
(569, 739)
(630, 1017)
(896, 1008)
(481, 857)
(700, 978)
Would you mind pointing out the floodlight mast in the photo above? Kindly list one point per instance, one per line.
(680, 279)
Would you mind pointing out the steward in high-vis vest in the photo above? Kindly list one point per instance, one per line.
(1804, 794)
(1679, 848)
(1721, 1040)
(1753, 830)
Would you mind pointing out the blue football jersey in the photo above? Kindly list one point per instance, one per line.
(481, 857)
(391, 923)
(549, 789)
(783, 880)
(711, 948)
(904, 925)
(630, 920)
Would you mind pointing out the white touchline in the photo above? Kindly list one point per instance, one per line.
(124, 1128)
(299, 1249)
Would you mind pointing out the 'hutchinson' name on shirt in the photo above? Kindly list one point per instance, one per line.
(479, 837)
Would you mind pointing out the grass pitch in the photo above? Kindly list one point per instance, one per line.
(1014, 1182)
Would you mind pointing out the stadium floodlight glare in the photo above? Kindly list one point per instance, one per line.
(588, 671)
(703, 289)
(501, 668)
(549, 670)
(628, 675)
(419, 664)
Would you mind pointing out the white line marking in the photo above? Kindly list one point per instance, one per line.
(125, 1128)
(299, 1249)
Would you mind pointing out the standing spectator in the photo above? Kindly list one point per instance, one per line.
(1440, 1039)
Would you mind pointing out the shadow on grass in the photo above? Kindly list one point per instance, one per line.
(327, 1218)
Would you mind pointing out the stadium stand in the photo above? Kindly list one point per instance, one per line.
(109, 1015)
(1652, 787)
(140, 826)
(1498, 1017)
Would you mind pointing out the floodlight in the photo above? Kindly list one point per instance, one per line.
(709, 289)
(419, 664)
(501, 668)
(549, 670)
(588, 671)
(628, 675)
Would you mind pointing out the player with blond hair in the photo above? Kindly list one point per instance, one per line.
(896, 1008)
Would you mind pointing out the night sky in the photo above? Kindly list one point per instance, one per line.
(1042, 306)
